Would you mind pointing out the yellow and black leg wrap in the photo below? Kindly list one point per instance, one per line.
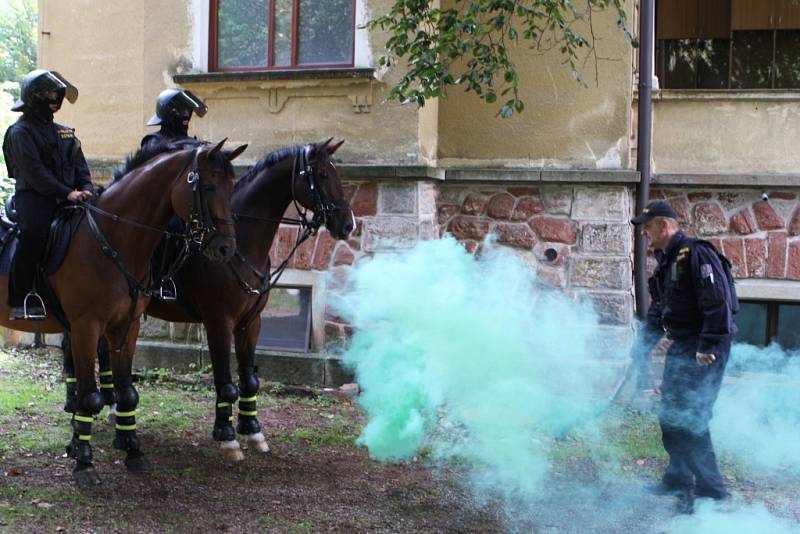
(223, 420)
(107, 387)
(126, 438)
(71, 400)
(248, 384)
(80, 448)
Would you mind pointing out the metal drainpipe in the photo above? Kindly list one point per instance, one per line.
(643, 150)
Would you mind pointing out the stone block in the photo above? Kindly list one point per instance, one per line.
(501, 206)
(446, 212)
(766, 217)
(600, 273)
(742, 223)
(427, 198)
(343, 256)
(709, 219)
(451, 195)
(552, 277)
(793, 261)
(554, 230)
(733, 249)
(389, 233)
(794, 223)
(612, 308)
(152, 328)
(515, 235)
(160, 355)
(699, 196)
(557, 201)
(776, 255)
(609, 238)
(398, 199)
(523, 191)
(464, 227)
(365, 201)
(526, 208)
(304, 254)
(594, 203)
(756, 251)
(324, 250)
(682, 209)
(562, 252)
(474, 204)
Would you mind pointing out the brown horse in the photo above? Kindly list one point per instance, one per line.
(101, 284)
(230, 307)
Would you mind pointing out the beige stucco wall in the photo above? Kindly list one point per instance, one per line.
(121, 54)
(98, 47)
(736, 133)
(563, 125)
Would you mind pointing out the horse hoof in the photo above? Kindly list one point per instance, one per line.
(231, 451)
(257, 442)
(138, 464)
(112, 415)
(86, 478)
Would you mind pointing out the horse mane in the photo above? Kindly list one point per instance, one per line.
(268, 161)
(144, 154)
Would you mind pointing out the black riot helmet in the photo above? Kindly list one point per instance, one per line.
(38, 83)
(173, 103)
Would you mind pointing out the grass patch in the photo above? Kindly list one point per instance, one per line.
(318, 438)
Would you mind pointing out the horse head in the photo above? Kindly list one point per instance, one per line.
(318, 187)
(202, 198)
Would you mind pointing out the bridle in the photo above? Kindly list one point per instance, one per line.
(304, 166)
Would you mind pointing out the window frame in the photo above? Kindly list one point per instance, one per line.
(213, 29)
(309, 321)
(737, 22)
(772, 318)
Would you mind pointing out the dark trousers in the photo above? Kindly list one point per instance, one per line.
(35, 212)
(688, 394)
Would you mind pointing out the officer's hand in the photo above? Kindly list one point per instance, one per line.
(705, 358)
(86, 195)
(75, 196)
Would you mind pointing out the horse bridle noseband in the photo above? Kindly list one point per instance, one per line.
(200, 227)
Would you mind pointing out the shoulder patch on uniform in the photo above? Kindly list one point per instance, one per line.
(706, 271)
(66, 133)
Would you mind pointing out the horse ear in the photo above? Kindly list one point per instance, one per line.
(216, 148)
(233, 154)
(334, 148)
(323, 146)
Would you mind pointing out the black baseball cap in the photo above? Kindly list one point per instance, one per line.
(657, 208)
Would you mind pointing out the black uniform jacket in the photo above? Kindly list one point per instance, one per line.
(45, 157)
(690, 296)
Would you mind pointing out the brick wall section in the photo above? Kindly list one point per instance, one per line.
(762, 239)
(585, 225)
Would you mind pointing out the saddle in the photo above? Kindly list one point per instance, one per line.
(62, 229)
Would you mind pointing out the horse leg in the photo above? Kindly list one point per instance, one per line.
(125, 438)
(219, 343)
(71, 400)
(88, 403)
(106, 378)
(248, 385)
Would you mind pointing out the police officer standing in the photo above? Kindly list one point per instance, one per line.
(174, 108)
(693, 301)
(48, 165)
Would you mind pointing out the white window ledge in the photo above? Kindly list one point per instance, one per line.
(774, 290)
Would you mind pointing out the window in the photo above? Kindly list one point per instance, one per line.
(728, 44)
(281, 34)
(286, 320)
(762, 322)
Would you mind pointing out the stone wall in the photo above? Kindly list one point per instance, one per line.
(761, 238)
(573, 237)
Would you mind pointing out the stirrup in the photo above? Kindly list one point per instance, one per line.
(34, 315)
(167, 290)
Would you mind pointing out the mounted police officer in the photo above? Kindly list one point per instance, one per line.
(174, 108)
(48, 165)
(693, 301)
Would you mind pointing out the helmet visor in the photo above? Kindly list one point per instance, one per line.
(53, 81)
(188, 100)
